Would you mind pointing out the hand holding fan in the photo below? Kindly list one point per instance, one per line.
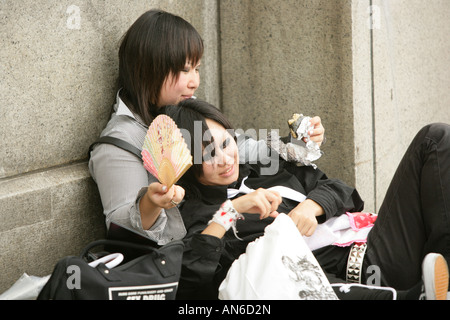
(165, 153)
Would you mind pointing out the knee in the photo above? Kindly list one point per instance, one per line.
(439, 133)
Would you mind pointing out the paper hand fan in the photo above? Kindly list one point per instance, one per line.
(165, 153)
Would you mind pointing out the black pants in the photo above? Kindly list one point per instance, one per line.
(414, 218)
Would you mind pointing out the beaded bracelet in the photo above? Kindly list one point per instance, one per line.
(227, 217)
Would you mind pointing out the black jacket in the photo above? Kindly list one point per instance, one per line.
(206, 259)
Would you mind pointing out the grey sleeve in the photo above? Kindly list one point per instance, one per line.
(122, 181)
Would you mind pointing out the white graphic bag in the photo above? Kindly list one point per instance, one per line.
(277, 266)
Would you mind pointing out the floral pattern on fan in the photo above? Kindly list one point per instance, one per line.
(165, 153)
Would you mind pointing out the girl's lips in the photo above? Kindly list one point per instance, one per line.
(228, 172)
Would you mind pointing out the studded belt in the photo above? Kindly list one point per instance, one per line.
(355, 261)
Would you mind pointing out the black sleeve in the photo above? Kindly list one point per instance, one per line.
(201, 268)
(333, 195)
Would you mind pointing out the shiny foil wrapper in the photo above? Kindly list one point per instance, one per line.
(296, 150)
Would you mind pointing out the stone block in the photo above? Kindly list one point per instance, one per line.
(45, 217)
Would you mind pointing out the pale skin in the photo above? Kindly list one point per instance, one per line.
(183, 86)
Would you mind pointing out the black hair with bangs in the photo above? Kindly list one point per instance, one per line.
(156, 45)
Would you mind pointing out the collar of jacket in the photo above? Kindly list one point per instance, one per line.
(121, 109)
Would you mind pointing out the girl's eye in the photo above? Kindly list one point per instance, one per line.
(209, 152)
(226, 143)
(189, 68)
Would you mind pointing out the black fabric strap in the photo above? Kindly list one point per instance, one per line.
(118, 143)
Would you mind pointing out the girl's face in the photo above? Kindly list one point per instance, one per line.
(220, 158)
(176, 90)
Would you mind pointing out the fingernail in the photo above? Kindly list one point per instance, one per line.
(164, 188)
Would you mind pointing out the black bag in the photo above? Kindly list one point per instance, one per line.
(152, 276)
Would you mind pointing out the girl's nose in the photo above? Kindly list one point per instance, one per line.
(194, 80)
(224, 159)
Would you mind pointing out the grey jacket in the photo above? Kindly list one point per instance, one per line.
(122, 180)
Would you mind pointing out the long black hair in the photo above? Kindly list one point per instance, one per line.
(156, 45)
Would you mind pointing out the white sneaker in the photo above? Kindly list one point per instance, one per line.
(435, 277)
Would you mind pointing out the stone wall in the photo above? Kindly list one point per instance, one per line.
(411, 78)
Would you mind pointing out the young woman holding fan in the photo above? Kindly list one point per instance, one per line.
(159, 60)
